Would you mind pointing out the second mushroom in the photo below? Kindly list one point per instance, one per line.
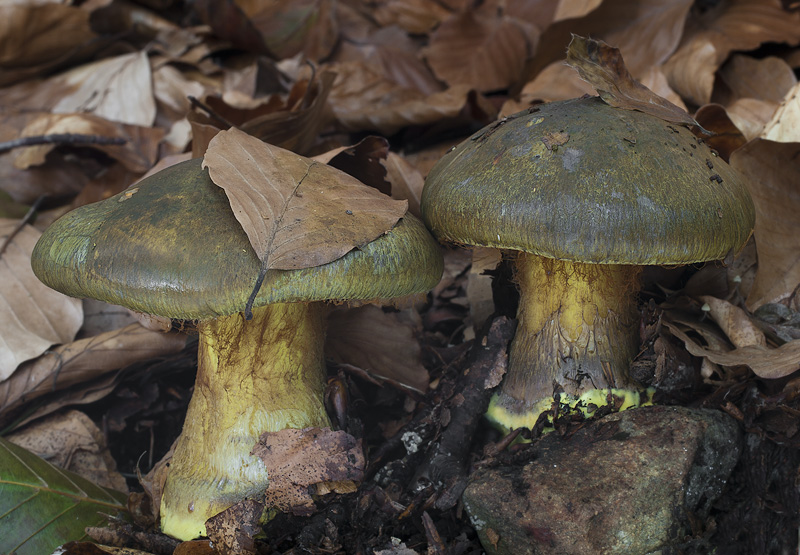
(582, 195)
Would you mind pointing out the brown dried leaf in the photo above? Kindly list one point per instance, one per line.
(484, 51)
(292, 123)
(233, 530)
(33, 317)
(118, 89)
(289, 27)
(767, 78)
(363, 99)
(569, 9)
(602, 66)
(555, 82)
(734, 322)
(479, 285)
(784, 126)
(37, 34)
(772, 169)
(393, 54)
(645, 31)
(72, 441)
(417, 17)
(763, 361)
(728, 26)
(296, 212)
(364, 162)
(298, 459)
(726, 137)
(380, 343)
(407, 182)
(83, 360)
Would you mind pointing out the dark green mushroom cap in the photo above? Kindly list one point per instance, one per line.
(580, 180)
(175, 249)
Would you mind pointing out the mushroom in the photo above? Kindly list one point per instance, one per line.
(172, 247)
(585, 194)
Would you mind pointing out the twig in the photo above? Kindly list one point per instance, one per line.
(61, 138)
(31, 211)
(211, 113)
(435, 544)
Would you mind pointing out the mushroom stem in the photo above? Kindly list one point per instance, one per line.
(576, 336)
(262, 375)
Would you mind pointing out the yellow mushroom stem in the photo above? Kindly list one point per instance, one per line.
(576, 335)
(262, 375)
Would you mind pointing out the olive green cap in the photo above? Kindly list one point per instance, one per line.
(175, 249)
(580, 180)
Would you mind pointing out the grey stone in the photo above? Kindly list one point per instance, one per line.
(624, 484)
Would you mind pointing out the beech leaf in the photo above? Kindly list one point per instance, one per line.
(296, 212)
(602, 66)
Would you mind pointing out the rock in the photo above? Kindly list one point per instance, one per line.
(624, 484)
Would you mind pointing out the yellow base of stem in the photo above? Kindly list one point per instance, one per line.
(256, 376)
(586, 405)
(576, 337)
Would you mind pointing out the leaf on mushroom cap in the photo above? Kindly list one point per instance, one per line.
(296, 212)
(172, 247)
(618, 187)
(602, 67)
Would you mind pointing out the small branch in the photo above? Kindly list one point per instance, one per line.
(27, 218)
(61, 139)
(196, 103)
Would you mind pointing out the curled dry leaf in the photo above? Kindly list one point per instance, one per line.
(485, 51)
(726, 136)
(772, 169)
(298, 459)
(295, 215)
(33, 317)
(84, 360)
(714, 34)
(734, 322)
(72, 441)
(378, 342)
(602, 66)
(645, 31)
(763, 361)
(364, 161)
(784, 126)
(753, 90)
(292, 122)
(371, 162)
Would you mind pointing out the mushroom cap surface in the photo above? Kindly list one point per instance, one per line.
(175, 249)
(583, 181)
